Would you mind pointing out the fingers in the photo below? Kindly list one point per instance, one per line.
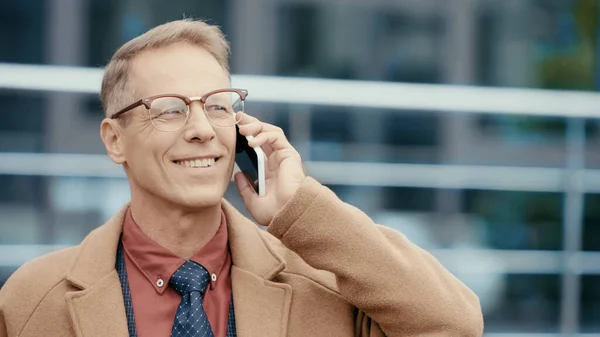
(269, 137)
(251, 129)
(251, 126)
(245, 118)
(274, 139)
(248, 125)
(279, 156)
(245, 189)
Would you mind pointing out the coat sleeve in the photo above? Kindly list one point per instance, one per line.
(3, 332)
(398, 288)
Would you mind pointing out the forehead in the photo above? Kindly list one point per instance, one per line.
(180, 68)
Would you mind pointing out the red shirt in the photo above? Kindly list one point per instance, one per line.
(149, 268)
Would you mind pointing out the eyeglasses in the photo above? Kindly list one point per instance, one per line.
(170, 112)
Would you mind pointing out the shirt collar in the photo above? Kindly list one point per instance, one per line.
(158, 264)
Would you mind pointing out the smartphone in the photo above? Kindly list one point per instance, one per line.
(251, 162)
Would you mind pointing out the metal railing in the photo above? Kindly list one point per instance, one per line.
(572, 179)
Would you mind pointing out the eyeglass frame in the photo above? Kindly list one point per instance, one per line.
(147, 102)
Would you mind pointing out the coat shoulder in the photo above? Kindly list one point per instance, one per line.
(297, 266)
(27, 287)
(44, 271)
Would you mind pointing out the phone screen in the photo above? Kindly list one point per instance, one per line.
(246, 159)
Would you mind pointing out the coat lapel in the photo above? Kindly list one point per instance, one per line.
(96, 307)
(261, 306)
(99, 310)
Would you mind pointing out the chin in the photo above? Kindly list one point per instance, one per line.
(203, 199)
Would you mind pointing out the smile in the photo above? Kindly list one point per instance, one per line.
(197, 163)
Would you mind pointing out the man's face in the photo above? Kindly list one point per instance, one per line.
(158, 162)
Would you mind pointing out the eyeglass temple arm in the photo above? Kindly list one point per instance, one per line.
(127, 108)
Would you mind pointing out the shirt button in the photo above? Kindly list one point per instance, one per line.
(213, 277)
(160, 283)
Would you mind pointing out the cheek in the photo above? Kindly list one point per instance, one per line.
(147, 149)
(227, 137)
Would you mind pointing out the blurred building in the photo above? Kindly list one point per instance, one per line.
(506, 201)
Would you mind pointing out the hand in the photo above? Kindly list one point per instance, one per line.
(284, 171)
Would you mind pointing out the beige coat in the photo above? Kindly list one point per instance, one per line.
(322, 269)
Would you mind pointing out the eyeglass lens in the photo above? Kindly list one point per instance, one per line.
(171, 113)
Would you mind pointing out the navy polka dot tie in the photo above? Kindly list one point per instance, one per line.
(190, 281)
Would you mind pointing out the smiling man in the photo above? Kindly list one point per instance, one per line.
(181, 261)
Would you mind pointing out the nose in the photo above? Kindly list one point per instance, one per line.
(198, 127)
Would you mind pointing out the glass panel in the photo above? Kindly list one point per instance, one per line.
(112, 23)
(517, 220)
(534, 43)
(590, 303)
(21, 204)
(324, 40)
(592, 155)
(33, 121)
(406, 136)
(22, 121)
(538, 43)
(524, 303)
(522, 136)
(591, 223)
(5, 272)
(22, 31)
(52, 210)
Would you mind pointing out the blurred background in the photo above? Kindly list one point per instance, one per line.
(469, 125)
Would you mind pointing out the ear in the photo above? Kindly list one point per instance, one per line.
(112, 137)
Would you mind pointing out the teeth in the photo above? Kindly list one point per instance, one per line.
(205, 162)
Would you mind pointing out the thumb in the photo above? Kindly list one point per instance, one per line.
(244, 188)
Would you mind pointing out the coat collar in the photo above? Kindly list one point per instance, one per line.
(97, 252)
(261, 305)
(250, 251)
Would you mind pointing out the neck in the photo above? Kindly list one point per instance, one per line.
(182, 231)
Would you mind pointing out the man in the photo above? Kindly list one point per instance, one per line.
(180, 261)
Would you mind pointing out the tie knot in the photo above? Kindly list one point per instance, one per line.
(190, 277)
